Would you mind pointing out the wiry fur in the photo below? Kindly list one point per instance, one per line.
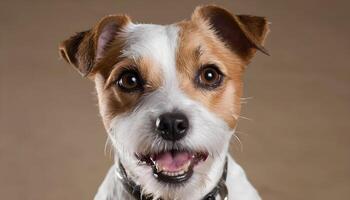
(169, 56)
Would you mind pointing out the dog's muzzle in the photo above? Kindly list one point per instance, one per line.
(172, 165)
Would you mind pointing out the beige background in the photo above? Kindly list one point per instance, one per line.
(296, 145)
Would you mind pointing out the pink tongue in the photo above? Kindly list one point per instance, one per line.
(174, 162)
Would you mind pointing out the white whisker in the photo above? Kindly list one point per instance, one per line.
(242, 117)
(235, 137)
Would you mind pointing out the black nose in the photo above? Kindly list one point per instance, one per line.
(172, 126)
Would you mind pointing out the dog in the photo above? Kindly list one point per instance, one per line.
(170, 97)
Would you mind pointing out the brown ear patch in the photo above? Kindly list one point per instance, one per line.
(70, 47)
(256, 28)
(78, 50)
(107, 32)
(243, 34)
(84, 49)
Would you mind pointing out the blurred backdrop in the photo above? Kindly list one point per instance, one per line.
(295, 144)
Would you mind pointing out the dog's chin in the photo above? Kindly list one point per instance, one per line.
(173, 166)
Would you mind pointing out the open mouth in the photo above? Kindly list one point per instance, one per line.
(173, 166)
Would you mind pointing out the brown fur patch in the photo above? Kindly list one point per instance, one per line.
(80, 49)
(215, 36)
(113, 101)
(198, 46)
(243, 34)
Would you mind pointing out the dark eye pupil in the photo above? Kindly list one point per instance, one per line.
(129, 81)
(132, 80)
(210, 75)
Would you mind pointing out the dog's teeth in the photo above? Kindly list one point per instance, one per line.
(158, 168)
(177, 173)
(166, 172)
(186, 166)
(170, 173)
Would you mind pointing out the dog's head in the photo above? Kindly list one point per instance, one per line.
(169, 96)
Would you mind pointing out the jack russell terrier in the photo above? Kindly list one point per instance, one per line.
(169, 97)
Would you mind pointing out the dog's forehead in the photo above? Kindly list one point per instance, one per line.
(157, 42)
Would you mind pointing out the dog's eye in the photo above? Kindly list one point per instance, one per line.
(209, 77)
(130, 81)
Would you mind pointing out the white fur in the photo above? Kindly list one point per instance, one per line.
(134, 131)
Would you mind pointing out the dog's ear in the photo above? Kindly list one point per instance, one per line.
(243, 34)
(84, 49)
